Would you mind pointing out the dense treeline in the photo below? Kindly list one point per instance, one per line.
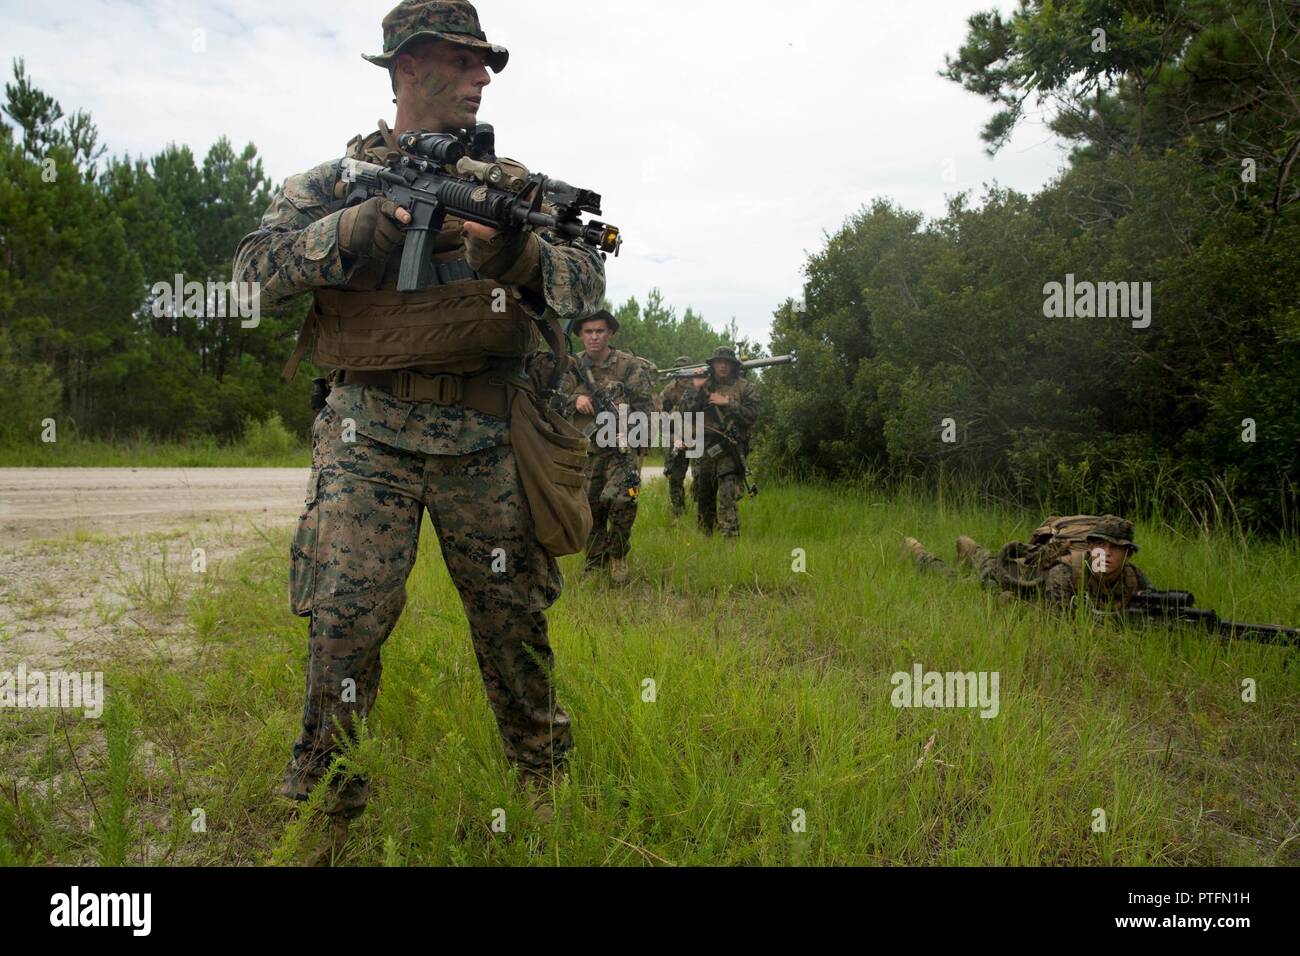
(655, 332)
(84, 240)
(82, 243)
(924, 349)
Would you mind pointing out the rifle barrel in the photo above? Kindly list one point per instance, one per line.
(691, 371)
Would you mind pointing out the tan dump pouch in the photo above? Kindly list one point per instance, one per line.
(451, 327)
(551, 455)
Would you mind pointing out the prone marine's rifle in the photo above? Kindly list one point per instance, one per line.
(1179, 607)
(479, 190)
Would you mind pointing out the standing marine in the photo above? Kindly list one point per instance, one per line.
(720, 475)
(405, 429)
(673, 399)
(607, 379)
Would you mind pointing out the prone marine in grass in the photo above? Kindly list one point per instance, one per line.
(1088, 558)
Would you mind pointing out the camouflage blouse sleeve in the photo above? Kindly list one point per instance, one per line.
(746, 412)
(572, 276)
(296, 248)
(639, 389)
(668, 397)
(1059, 587)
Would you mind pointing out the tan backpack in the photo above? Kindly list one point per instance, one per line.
(1058, 540)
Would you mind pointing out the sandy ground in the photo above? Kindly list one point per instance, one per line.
(52, 502)
(98, 562)
(101, 562)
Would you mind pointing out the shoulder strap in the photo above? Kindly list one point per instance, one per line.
(389, 139)
(300, 349)
(558, 343)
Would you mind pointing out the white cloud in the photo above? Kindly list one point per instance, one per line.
(725, 137)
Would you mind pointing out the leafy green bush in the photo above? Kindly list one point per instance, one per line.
(267, 438)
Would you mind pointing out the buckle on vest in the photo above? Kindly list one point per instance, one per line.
(409, 386)
(446, 389)
(403, 385)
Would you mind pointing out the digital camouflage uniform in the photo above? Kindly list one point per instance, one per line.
(1057, 587)
(718, 479)
(378, 463)
(612, 474)
(673, 399)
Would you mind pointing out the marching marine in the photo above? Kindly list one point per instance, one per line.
(607, 379)
(673, 399)
(720, 475)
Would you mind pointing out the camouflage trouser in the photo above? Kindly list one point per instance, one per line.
(354, 547)
(984, 561)
(675, 471)
(718, 487)
(613, 510)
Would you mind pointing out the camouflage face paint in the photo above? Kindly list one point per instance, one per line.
(451, 82)
(435, 87)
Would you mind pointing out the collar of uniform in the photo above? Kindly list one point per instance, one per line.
(609, 360)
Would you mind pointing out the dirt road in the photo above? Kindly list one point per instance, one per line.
(51, 502)
(97, 562)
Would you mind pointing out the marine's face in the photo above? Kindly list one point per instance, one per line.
(1106, 559)
(595, 336)
(447, 81)
(723, 371)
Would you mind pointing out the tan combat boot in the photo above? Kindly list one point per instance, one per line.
(323, 843)
(966, 548)
(618, 570)
(540, 791)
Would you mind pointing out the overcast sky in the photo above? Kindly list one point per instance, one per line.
(726, 137)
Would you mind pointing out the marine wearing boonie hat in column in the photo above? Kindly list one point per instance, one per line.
(730, 403)
(673, 399)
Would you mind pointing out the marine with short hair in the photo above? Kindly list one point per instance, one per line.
(613, 469)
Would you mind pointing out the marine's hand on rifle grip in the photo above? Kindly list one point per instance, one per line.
(372, 229)
(513, 257)
(583, 405)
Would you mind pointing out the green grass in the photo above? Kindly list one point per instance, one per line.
(772, 696)
(264, 445)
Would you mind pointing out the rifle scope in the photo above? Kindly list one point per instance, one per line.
(435, 147)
